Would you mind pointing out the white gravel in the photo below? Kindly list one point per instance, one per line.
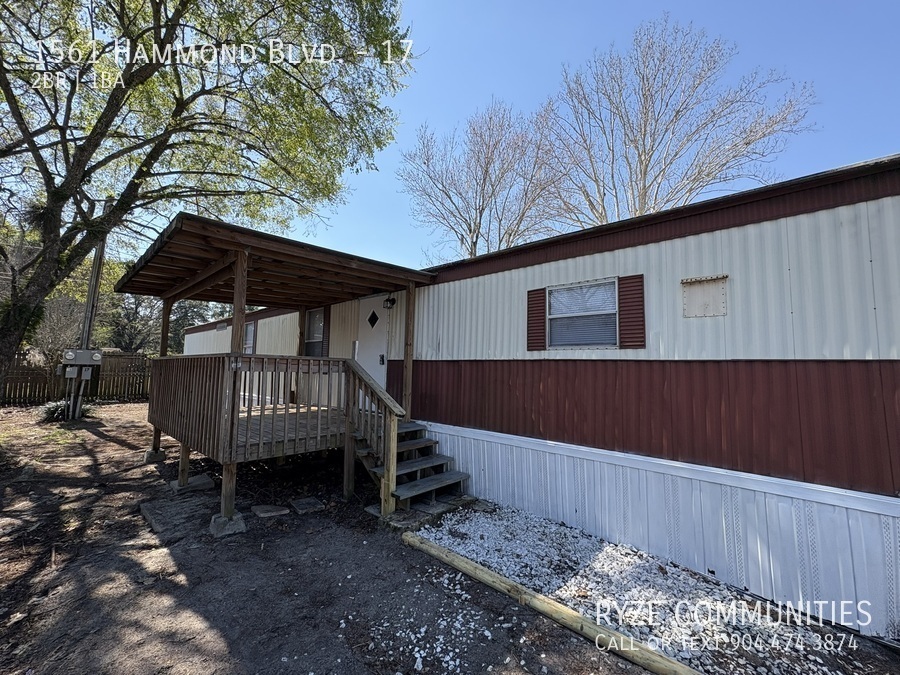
(678, 612)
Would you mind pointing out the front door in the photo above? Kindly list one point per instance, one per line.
(373, 337)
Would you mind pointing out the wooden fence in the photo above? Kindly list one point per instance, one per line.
(121, 377)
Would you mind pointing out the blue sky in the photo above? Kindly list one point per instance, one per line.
(470, 51)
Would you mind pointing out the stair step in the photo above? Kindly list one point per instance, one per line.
(407, 427)
(364, 452)
(405, 446)
(411, 465)
(439, 480)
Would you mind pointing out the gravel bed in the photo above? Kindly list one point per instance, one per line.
(676, 611)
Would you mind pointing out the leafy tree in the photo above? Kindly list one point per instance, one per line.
(148, 104)
(662, 123)
(484, 190)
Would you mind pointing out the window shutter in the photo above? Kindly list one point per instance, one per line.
(536, 335)
(326, 329)
(632, 329)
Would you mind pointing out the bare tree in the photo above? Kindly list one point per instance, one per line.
(658, 125)
(485, 190)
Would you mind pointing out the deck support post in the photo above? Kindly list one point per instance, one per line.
(229, 482)
(154, 454)
(389, 479)
(229, 469)
(349, 451)
(183, 460)
(408, 348)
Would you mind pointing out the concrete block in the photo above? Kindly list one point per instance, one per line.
(269, 511)
(174, 519)
(307, 505)
(152, 456)
(197, 483)
(220, 526)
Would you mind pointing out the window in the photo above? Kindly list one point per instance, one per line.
(314, 334)
(249, 337)
(583, 315)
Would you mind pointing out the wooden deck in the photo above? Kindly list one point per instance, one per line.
(291, 431)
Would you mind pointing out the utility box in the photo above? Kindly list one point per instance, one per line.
(81, 357)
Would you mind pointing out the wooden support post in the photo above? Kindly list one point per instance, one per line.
(409, 337)
(183, 460)
(229, 483)
(239, 303)
(349, 448)
(389, 479)
(239, 307)
(163, 351)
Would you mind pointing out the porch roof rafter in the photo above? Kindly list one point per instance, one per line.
(193, 256)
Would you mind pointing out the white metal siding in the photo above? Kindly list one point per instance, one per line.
(397, 327)
(278, 334)
(210, 341)
(784, 540)
(824, 285)
(884, 239)
(343, 329)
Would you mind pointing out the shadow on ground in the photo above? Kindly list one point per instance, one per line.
(87, 587)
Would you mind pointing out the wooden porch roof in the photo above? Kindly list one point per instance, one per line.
(194, 258)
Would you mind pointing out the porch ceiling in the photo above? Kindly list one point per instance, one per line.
(192, 259)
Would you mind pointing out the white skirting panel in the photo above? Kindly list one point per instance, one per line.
(783, 540)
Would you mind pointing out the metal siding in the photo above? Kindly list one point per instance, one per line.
(397, 327)
(343, 329)
(798, 288)
(758, 322)
(278, 334)
(819, 192)
(783, 540)
(699, 256)
(208, 342)
(831, 285)
(825, 422)
(884, 240)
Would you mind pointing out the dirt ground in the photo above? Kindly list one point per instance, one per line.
(87, 587)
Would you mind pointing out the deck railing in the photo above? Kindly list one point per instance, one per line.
(374, 414)
(243, 408)
(295, 402)
(189, 400)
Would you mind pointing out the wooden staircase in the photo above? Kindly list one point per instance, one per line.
(400, 459)
(422, 473)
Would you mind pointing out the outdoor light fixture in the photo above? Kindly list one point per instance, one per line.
(389, 303)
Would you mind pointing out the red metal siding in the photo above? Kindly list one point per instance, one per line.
(826, 422)
(537, 320)
(632, 333)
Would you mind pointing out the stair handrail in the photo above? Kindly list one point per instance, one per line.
(373, 413)
(376, 388)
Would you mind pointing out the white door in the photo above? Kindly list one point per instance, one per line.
(373, 337)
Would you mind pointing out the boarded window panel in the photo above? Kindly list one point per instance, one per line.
(704, 297)
(583, 299)
(632, 323)
(590, 330)
(536, 330)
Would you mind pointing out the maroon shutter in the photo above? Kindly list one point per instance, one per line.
(326, 329)
(537, 320)
(632, 329)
